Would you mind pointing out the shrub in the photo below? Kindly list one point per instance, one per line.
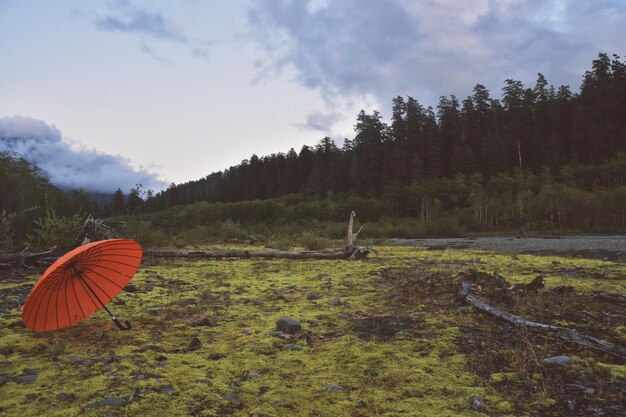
(312, 241)
(55, 231)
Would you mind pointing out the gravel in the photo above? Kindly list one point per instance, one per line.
(612, 247)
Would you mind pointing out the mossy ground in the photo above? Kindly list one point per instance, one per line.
(239, 368)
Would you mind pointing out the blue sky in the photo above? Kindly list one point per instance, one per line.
(174, 90)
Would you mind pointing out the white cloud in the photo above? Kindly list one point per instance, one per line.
(69, 166)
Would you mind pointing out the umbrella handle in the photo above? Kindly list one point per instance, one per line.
(120, 325)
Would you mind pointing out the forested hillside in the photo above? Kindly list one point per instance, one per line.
(529, 131)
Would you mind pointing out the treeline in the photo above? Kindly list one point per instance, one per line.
(578, 197)
(527, 131)
(28, 200)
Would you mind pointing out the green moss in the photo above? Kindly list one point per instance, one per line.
(419, 374)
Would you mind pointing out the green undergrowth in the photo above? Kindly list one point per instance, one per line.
(240, 368)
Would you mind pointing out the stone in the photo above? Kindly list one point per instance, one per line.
(6, 350)
(232, 398)
(106, 402)
(216, 356)
(476, 403)
(333, 388)
(3, 380)
(335, 302)
(557, 360)
(263, 390)
(64, 396)
(30, 397)
(194, 344)
(288, 325)
(257, 302)
(26, 379)
(588, 391)
(205, 321)
(166, 390)
(74, 360)
(253, 375)
(313, 296)
(99, 336)
(291, 346)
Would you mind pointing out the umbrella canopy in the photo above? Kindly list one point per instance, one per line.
(81, 282)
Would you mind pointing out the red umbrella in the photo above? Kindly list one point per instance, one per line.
(81, 282)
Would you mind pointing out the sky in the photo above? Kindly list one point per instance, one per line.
(108, 94)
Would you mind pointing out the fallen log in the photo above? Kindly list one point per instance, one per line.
(27, 259)
(347, 253)
(564, 333)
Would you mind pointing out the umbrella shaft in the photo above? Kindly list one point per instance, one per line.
(95, 295)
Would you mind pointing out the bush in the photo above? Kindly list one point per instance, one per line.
(313, 241)
(55, 231)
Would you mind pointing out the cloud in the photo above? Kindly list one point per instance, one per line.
(432, 48)
(143, 22)
(322, 122)
(66, 167)
(149, 26)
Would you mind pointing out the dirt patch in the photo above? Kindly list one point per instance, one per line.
(511, 359)
(383, 327)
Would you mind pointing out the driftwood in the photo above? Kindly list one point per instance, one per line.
(568, 335)
(352, 236)
(27, 259)
(348, 253)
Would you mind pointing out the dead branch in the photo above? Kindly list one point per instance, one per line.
(568, 335)
(348, 253)
(26, 259)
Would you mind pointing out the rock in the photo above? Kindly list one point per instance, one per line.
(313, 295)
(263, 390)
(333, 388)
(3, 380)
(216, 356)
(30, 397)
(166, 390)
(571, 404)
(588, 391)
(160, 358)
(106, 402)
(253, 375)
(204, 321)
(257, 302)
(64, 396)
(99, 336)
(194, 344)
(6, 350)
(288, 325)
(476, 403)
(131, 288)
(291, 346)
(557, 360)
(232, 398)
(202, 381)
(335, 302)
(26, 379)
(75, 360)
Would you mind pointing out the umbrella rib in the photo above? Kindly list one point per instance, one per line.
(37, 298)
(77, 300)
(104, 276)
(96, 284)
(114, 248)
(57, 307)
(88, 294)
(113, 244)
(110, 260)
(67, 305)
(45, 319)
